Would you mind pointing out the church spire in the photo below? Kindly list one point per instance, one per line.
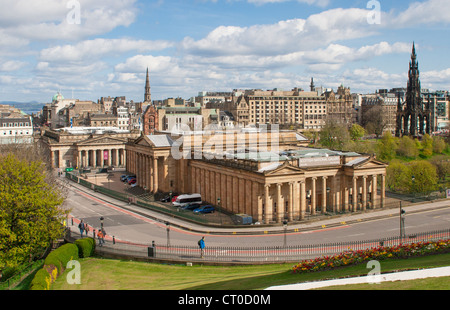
(312, 86)
(148, 95)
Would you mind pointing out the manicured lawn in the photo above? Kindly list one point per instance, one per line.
(105, 274)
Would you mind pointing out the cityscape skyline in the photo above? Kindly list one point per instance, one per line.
(93, 49)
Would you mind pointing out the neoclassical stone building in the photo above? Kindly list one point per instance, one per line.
(86, 147)
(270, 176)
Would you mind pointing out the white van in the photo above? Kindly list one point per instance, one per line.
(183, 200)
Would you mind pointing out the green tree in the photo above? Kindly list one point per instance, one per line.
(30, 213)
(439, 145)
(386, 147)
(427, 145)
(407, 147)
(399, 177)
(424, 177)
(334, 135)
(442, 165)
(357, 132)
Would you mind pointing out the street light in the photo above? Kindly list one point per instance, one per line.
(168, 233)
(402, 223)
(285, 231)
(218, 205)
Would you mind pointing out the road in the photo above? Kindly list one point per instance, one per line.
(134, 227)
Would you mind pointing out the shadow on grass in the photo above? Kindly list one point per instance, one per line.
(251, 283)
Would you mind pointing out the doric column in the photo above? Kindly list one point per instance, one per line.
(364, 193)
(354, 194)
(302, 199)
(267, 205)
(313, 196)
(155, 175)
(324, 194)
(280, 206)
(383, 190)
(291, 201)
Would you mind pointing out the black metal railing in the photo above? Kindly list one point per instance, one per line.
(257, 254)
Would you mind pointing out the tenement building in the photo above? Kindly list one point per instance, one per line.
(272, 176)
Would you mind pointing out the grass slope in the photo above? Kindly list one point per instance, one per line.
(105, 274)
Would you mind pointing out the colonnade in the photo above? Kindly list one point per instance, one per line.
(151, 171)
(101, 157)
(271, 200)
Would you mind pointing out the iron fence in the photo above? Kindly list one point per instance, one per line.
(256, 254)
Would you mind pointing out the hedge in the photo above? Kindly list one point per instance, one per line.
(61, 256)
(86, 247)
(56, 262)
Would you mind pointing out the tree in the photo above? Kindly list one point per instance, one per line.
(357, 132)
(399, 177)
(386, 147)
(334, 135)
(30, 213)
(374, 120)
(442, 165)
(407, 147)
(439, 145)
(427, 145)
(424, 177)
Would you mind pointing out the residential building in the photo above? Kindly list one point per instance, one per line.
(16, 127)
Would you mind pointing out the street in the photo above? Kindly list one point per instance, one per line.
(134, 226)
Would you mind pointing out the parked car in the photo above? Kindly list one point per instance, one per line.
(132, 181)
(204, 209)
(166, 199)
(126, 178)
(191, 206)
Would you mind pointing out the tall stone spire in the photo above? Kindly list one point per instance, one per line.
(312, 86)
(148, 95)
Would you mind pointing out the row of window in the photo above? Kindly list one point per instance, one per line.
(14, 125)
(14, 133)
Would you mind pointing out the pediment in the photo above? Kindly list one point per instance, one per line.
(102, 141)
(367, 163)
(284, 169)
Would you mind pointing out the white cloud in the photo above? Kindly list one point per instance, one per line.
(47, 19)
(100, 47)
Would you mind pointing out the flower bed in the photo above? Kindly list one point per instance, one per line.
(379, 253)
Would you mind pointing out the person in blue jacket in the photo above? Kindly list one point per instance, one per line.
(201, 244)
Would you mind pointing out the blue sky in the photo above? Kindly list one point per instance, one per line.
(216, 45)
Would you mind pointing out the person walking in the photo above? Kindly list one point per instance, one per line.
(100, 237)
(81, 227)
(201, 244)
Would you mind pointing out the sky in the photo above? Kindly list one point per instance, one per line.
(89, 49)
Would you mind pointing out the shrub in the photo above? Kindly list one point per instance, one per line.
(85, 246)
(61, 256)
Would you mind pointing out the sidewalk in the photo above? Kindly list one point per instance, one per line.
(265, 229)
(388, 277)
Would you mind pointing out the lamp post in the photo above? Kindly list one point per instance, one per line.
(402, 223)
(218, 205)
(168, 233)
(285, 232)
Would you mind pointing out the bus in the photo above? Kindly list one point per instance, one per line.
(183, 200)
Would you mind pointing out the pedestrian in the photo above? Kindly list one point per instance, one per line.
(100, 237)
(81, 227)
(201, 244)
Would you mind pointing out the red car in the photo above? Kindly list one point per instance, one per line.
(131, 181)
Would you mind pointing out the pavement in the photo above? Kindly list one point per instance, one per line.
(315, 224)
(374, 280)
